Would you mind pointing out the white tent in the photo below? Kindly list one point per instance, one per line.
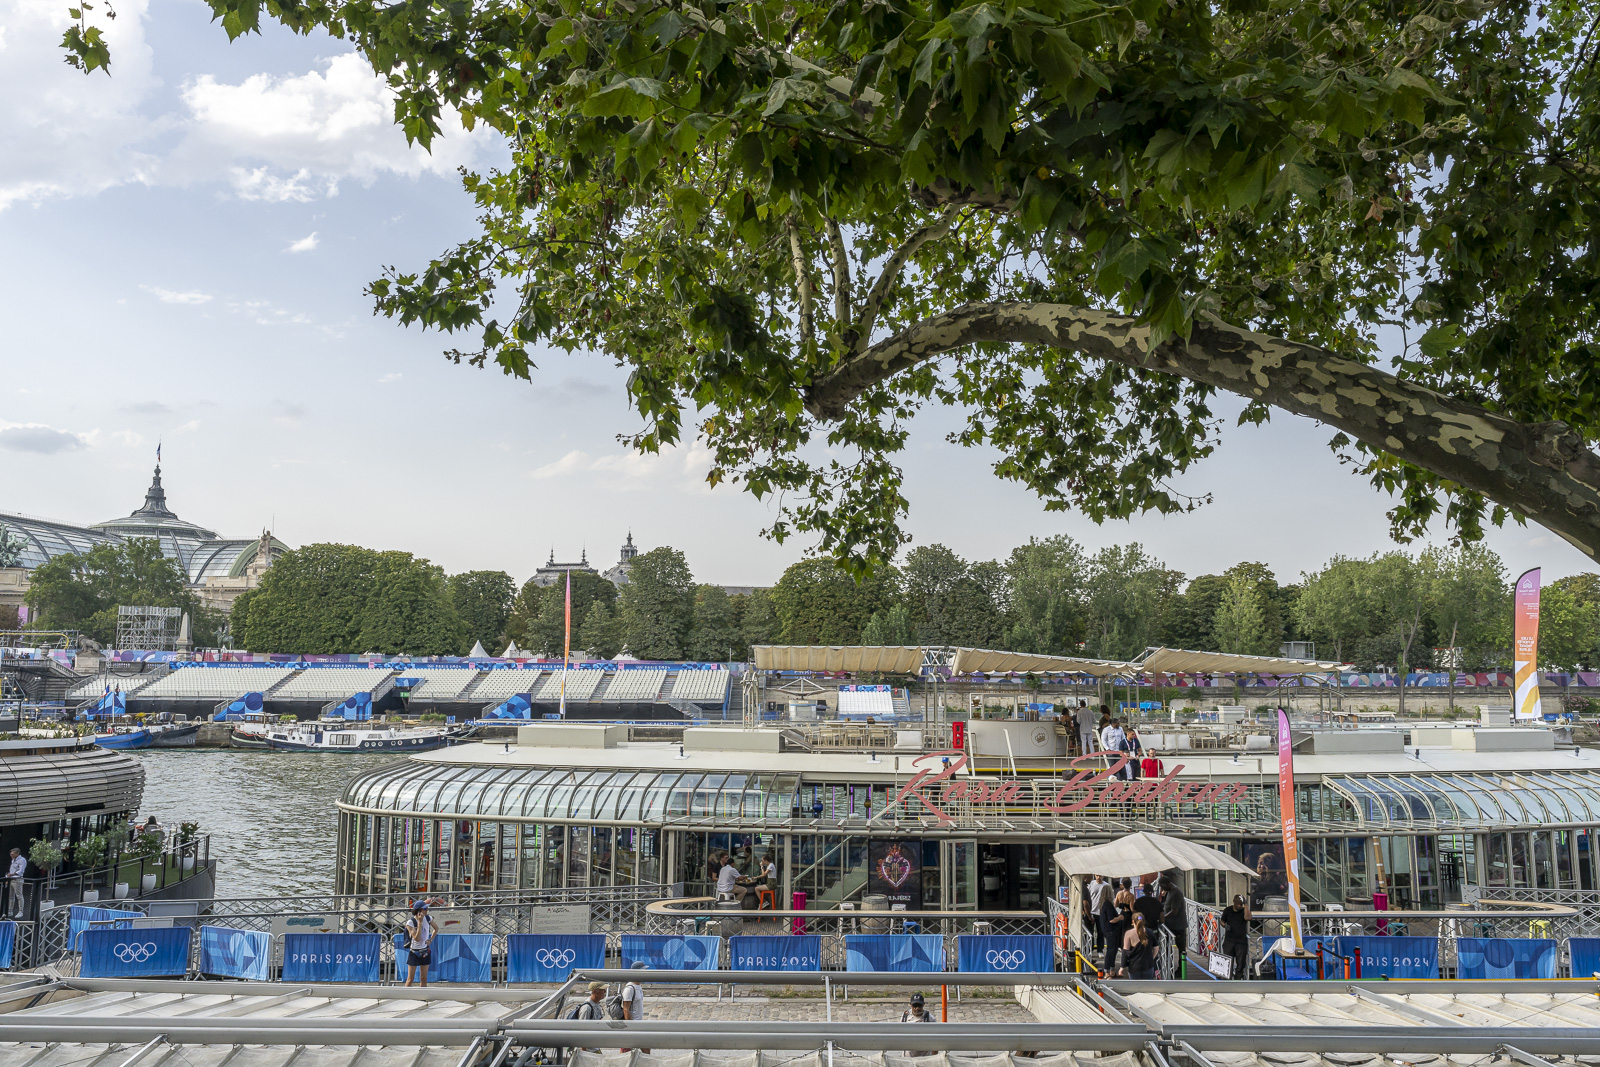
(477, 651)
(511, 652)
(1142, 853)
(1139, 854)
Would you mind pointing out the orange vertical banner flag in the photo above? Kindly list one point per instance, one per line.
(1525, 646)
(1291, 845)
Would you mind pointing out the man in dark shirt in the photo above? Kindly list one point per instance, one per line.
(1236, 936)
(1175, 913)
(1149, 906)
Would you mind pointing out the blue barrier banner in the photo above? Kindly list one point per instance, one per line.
(894, 952)
(82, 916)
(552, 957)
(1585, 956)
(1505, 957)
(456, 957)
(229, 953)
(8, 943)
(666, 952)
(1394, 957)
(331, 957)
(1028, 953)
(781, 952)
(155, 952)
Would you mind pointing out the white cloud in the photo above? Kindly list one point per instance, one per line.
(170, 296)
(41, 440)
(127, 437)
(387, 378)
(188, 427)
(305, 244)
(679, 468)
(268, 137)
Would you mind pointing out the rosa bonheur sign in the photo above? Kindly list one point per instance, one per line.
(936, 784)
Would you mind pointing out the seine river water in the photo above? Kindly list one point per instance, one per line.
(271, 815)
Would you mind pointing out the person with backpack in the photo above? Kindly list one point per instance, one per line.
(917, 1013)
(419, 943)
(1139, 951)
(630, 1003)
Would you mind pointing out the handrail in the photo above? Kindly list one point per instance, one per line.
(678, 909)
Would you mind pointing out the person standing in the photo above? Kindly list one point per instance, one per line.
(1148, 906)
(1111, 738)
(1175, 914)
(1138, 953)
(1112, 928)
(15, 873)
(419, 943)
(1097, 897)
(1236, 936)
(1135, 751)
(1086, 728)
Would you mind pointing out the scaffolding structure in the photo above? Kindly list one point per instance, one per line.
(145, 627)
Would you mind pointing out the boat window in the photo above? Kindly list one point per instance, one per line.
(446, 797)
(538, 795)
(682, 790)
(494, 793)
(630, 803)
(582, 804)
(560, 795)
(605, 801)
(656, 796)
(515, 804)
(704, 801)
(781, 797)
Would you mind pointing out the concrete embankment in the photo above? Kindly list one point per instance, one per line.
(214, 735)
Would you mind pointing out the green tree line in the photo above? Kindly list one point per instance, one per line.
(82, 592)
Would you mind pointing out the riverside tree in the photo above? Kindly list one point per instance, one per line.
(1077, 220)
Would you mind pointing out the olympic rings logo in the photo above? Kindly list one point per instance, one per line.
(556, 958)
(1005, 959)
(129, 952)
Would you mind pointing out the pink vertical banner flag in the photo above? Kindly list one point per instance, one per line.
(1525, 645)
(1291, 845)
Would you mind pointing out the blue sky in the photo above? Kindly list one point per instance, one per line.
(184, 249)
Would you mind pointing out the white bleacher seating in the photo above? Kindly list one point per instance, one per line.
(866, 703)
(701, 685)
(94, 687)
(331, 683)
(640, 686)
(214, 683)
(440, 683)
(581, 684)
(506, 683)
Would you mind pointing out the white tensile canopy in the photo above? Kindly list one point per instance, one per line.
(511, 652)
(1184, 661)
(477, 651)
(855, 659)
(1142, 853)
(993, 661)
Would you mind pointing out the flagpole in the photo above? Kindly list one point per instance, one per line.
(566, 647)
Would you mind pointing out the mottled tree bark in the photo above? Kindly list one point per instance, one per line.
(1543, 470)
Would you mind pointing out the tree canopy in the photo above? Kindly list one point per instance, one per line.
(83, 591)
(1078, 221)
(482, 599)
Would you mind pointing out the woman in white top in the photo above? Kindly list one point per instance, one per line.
(419, 942)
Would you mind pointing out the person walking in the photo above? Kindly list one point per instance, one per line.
(1138, 953)
(1175, 914)
(15, 873)
(1236, 937)
(633, 1000)
(419, 943)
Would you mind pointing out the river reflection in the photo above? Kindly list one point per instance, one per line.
(271, 815)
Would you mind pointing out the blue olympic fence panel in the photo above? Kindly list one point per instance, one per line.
(456, 957)
(153, 952)
(1505, 957)
(1000, 953)
(780, 952)
(902, 953)
(1290, 970)
(1394, 957)
(83, 917)
(552, 957)
(331, 957)
(8, 943)
(1585, 956)
(667, 952)
(230, 953)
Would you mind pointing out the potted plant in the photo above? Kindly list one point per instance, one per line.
(45, 856)
(147, 846)
(188, 832)
(90, 853)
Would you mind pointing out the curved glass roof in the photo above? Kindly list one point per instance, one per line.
(1484, 799)
(575, 794)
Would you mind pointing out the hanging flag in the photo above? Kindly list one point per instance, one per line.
(1525, 620)
(1291, 847)
(566, 647)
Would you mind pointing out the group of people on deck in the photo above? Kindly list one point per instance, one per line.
(1110, 734)
(1127, 920)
